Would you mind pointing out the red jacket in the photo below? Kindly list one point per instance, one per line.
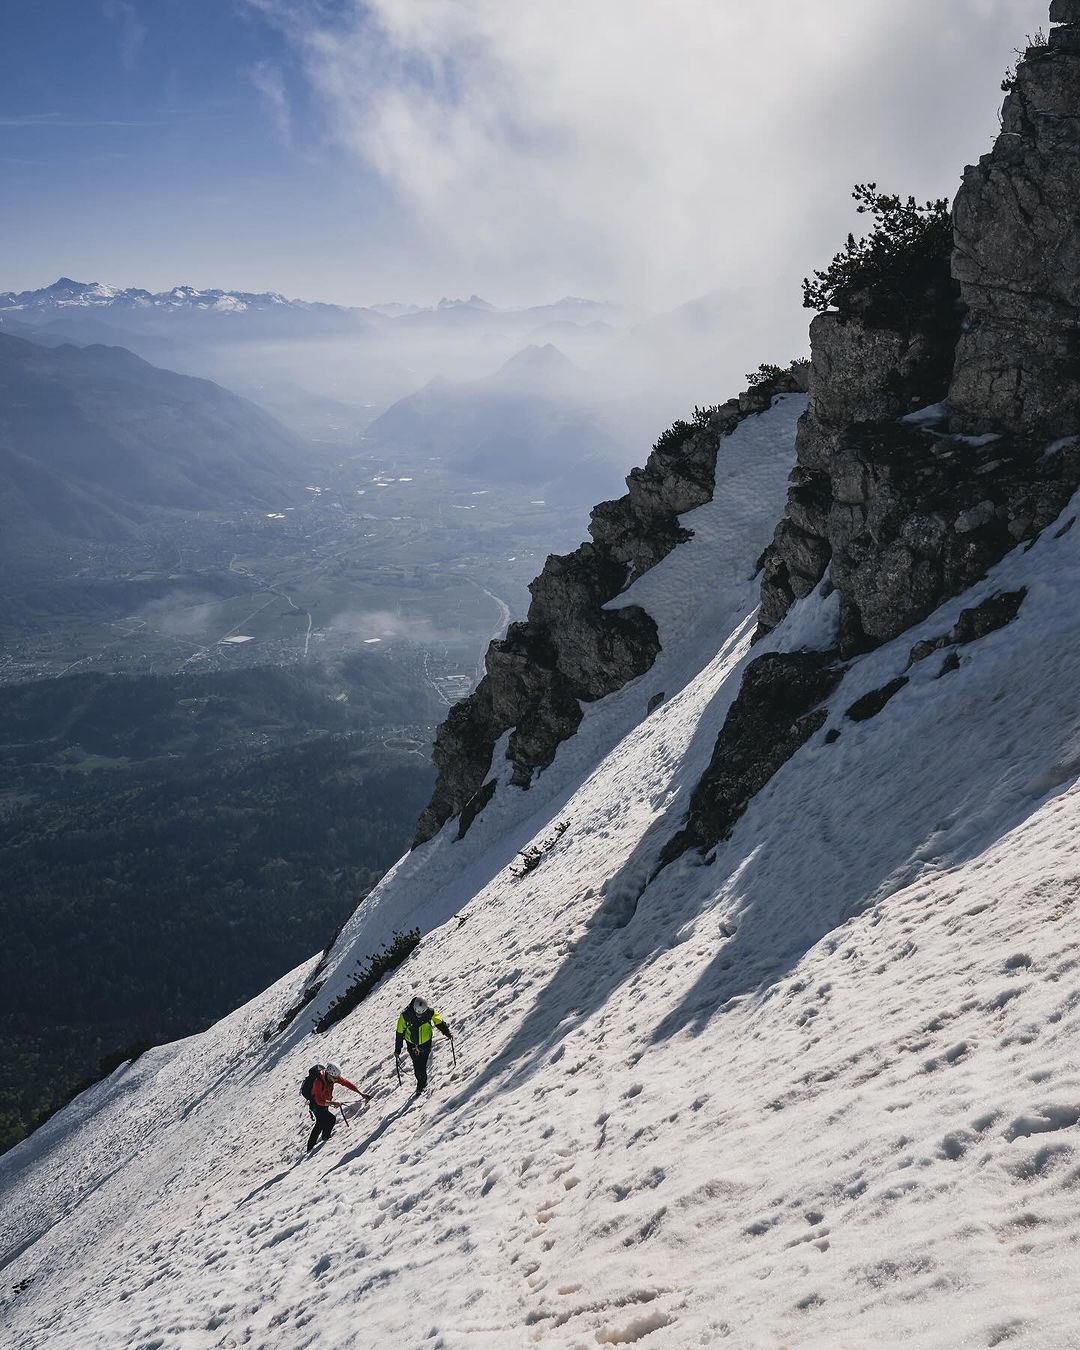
(323, 1088)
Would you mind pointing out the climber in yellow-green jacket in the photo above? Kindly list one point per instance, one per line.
(414, 1032)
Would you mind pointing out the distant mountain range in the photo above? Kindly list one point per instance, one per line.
(65, 296)
(260, 342)
(93, 437)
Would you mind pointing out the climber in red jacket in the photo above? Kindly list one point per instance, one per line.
(322, 1094)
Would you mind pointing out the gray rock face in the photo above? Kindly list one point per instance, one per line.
(770, 719)
(570, 650)
(917, 517)
(864, 374)
(974, 623)
(904, 516)
(872, 703)
(858, 373)
(903, 519)
(1017, 259)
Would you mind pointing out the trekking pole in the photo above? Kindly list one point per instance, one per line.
(453, 1051)
(397, 1066)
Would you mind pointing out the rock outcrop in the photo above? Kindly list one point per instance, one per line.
(772, 717)
(918, 516)
(904, 516)
(905, 511)
(570, 650)
(1017, 253)
(974, 623)
(909, 515)
(859, 372)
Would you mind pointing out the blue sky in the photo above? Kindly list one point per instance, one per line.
(368, 150)
(137, 148)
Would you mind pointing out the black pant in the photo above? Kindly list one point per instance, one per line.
(419, 1054)
(325, 1120)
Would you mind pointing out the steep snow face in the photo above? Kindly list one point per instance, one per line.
(822, 1090)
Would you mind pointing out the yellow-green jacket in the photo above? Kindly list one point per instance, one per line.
(417, 1031)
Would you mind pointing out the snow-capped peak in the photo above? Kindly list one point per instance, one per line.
(473, 302)
(65, 293)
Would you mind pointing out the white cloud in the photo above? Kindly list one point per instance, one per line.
(180, 614)
(387, 624)
(656, 150)
(270, 82)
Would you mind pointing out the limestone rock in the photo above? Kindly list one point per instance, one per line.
(994, 613)
(918, 517)
(974, 623)
(858, 373)
(905, 518)
(1017, 258)
(772, 716)
(872, 703)
(570, 650)
(462, 757)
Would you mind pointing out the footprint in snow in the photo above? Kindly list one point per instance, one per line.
(1050, 1118)
(634, 1330)
(546, 1212)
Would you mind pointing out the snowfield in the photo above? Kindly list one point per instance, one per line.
(821, 1090)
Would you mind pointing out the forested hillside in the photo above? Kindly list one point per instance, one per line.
(170, 845)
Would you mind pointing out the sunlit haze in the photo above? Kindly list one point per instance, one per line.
(366, 152)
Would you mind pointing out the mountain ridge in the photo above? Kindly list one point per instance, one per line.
(66, 294)
(92, 437)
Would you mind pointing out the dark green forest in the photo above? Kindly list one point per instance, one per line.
(171, 846)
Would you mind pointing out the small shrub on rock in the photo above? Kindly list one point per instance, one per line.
(680, 430)
(1032, 42)
(765, 374)
(895, 275)
(770, 374)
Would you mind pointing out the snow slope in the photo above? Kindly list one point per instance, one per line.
(820, 1091)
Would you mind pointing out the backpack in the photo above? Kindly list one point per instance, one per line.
(309, 1082)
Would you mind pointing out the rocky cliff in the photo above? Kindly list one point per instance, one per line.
(1017, 253)
(931, 449)
(939, 435)
(904, 513)
(571, 650)
(861, 372)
